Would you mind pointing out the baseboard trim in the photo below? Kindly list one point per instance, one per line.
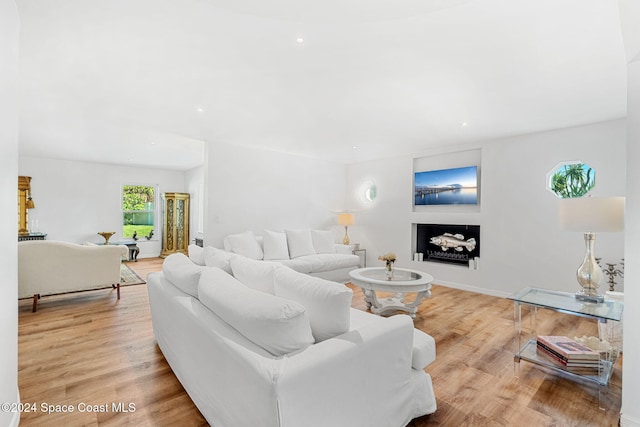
(627, 421)
(15, 420)
(16, 415)
(475, 289)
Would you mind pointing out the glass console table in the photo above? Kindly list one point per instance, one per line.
(563, 302)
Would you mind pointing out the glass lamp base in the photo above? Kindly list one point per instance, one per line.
(589, 273)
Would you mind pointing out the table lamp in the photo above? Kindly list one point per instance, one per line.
(588, 215)
(345, 219)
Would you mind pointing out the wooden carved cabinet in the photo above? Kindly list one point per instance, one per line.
(176, 223)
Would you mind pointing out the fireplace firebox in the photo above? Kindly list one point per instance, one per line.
(448, 243)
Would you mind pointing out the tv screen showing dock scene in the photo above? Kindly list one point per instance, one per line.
(457, 186)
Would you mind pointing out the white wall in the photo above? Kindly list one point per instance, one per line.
(631, 369)
(521, 243)
(75, 200)
(249, 189)
(194, 182)
(9, 28)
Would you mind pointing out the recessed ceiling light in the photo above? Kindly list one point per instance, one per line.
(300, 40)
(463, 124)
(153, 143)
(354, 147)
(199, 109)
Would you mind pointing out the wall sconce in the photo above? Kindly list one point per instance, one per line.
(29, 203)
(345, 219)
(367, 192)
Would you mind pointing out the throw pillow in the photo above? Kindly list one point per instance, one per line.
(257, 275)
(299, 242)
(245, 244)
(183, 273)
(275, 245)
(214, 257)
(323, 241)
(328, 303)
(275, 324)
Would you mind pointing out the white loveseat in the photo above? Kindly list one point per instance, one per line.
(47, 267)
(312, 252)
(300, 356)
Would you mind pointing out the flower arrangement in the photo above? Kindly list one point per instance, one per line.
(389, 258)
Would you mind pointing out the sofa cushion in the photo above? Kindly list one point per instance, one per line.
(183, 273)
(275, 324)
(255, 274)
(343, 249)
(245, 244)
(196, 254)
(299, 242)
(300, 264)
(323, 242)
(327, 303)
(328, 262)
(274, 245)
(214, 257)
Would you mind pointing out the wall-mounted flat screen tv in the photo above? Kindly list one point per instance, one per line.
(458, 186)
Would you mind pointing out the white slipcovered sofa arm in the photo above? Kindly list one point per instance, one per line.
(348, 368)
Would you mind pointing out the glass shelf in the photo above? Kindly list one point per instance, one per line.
(529, 353)
(567, 303)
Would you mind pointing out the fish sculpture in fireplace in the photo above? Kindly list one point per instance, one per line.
(455, 241)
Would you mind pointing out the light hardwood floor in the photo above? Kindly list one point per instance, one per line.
(87, 348)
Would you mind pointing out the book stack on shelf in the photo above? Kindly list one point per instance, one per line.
(575, 357)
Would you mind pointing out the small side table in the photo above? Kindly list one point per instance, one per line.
(31, 236)
(363, 264)
(609, 311)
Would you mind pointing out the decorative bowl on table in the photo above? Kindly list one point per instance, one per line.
(107, 235)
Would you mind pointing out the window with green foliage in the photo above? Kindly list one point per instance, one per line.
(571, 179)
(138, 211)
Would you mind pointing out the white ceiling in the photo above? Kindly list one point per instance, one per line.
(120, 81)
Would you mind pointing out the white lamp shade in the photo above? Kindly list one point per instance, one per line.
(591, 214)
(345, 219)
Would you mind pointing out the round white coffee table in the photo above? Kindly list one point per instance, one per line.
(403, 281)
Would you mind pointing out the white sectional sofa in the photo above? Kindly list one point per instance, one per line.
(312, 252)
(273, 347)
